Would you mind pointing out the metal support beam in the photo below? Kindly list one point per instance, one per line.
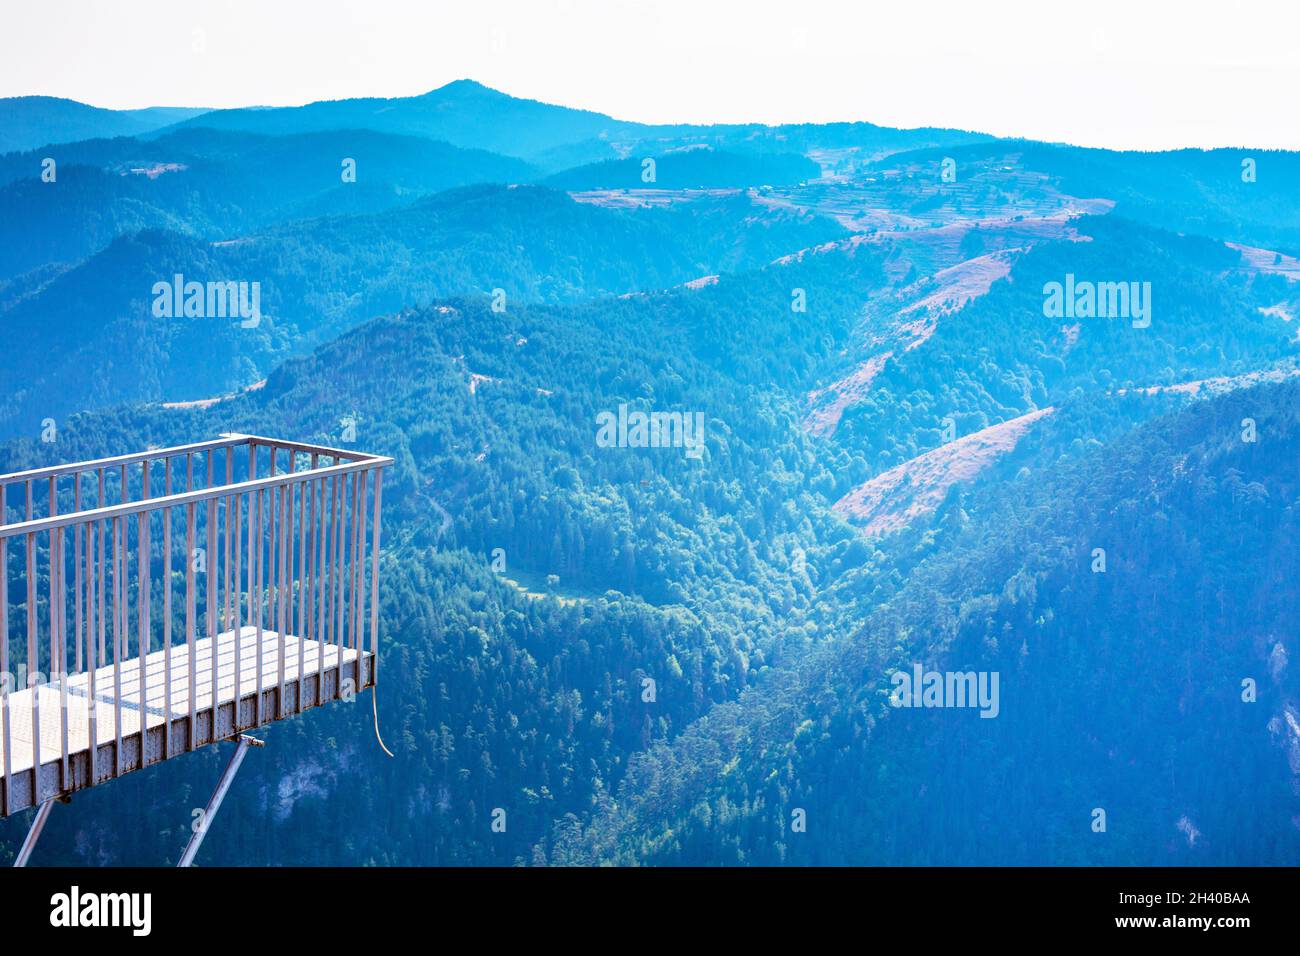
(34, 834)
(214, 804)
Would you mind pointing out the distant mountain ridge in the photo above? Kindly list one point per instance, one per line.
(472, 115)
(464, 113)
(217, 185)
(30, 121)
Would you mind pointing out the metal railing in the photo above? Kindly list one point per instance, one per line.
(130, 568)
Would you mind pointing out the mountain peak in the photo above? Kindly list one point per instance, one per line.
(466, 86)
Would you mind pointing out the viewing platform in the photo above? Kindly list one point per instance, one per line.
(161, 601)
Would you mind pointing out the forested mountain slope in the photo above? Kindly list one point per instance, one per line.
(317, 278)
(707, 576)
(496, 698)
(1121, 689)
(963, 350)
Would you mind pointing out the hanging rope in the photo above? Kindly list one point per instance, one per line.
(374, 706)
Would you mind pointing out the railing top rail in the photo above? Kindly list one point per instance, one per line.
(227, 440)
(360, 463)
(304, 447)
(51, 471)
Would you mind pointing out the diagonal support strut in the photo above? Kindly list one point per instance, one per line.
(34, 834)
(219, 794)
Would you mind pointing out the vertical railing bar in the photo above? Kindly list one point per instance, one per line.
(79, 533)
(322, 575)
(249, 590)
(52, 618)
(93, 610)
(63, 650)
(322, 568)
(122, 636)
(257, 667)
(252, 474)
(272, 560)
(167, 608)
(374, 582)
(189, 621)
(189, 599)
(273, 549)
(350, 567)
(55, 570)
(345, 567)
(286, 536)
(340, 607)
(287, 579)
(102, 535)
(285, 559)
(230, 480)
(58, 650)
(76, 572)
(210, 599)
(355, 610)
(6, 732)
(289, 582)
(117, 645)
(359, 565)
(238, 622)
(336, 582)
(310, 523)
(32, 658)
(254, 566)
(302, 628)
(145, 609)
(318, 600)
(328, 497)
(349, 570)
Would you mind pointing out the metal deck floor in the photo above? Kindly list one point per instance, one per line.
(167, 728)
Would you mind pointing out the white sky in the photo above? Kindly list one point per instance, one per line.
(1117, 73)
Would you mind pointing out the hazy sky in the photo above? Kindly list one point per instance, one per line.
(1126, 74)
